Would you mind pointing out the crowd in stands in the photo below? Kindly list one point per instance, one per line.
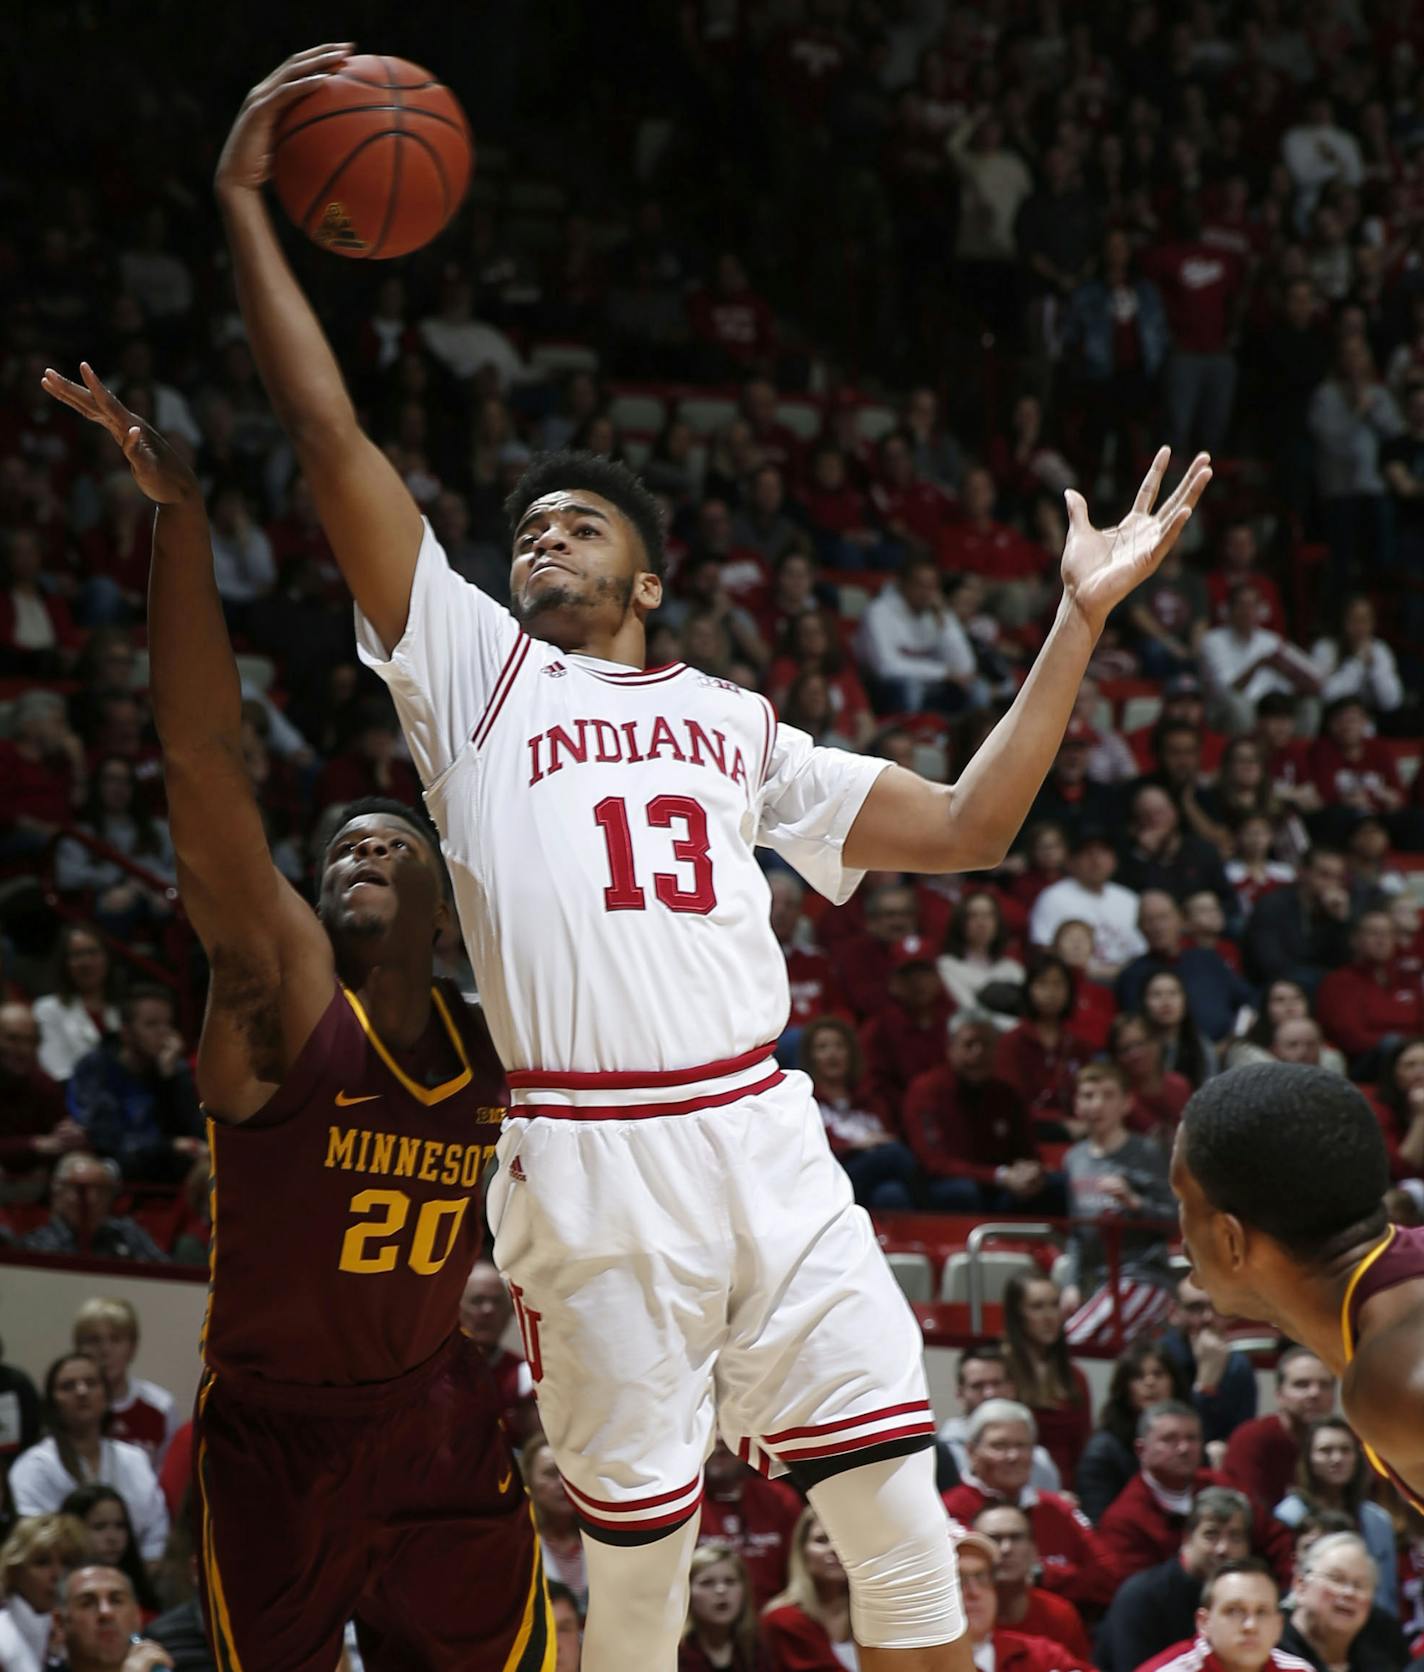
(860, 287)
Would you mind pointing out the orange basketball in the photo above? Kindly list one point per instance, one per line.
(375, 160)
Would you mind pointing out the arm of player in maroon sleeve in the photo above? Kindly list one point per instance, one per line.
(369, 516)
(261, 938)
(907, 824)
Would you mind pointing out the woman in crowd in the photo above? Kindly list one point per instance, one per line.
(82, 1003)
(1355, 662)
(1046, 1379)
(810, 642)
(721, 1630)
(807, 1627)
(1286, 1001)
(1158, 1097)
(974, 958)
(1045, 862)
(1241, 790)
(880, 1167)
(1333, 1599)
(111, 1539)
(674, 467)
(75, 1452)
(1040, 1058)
(1184, 1051)
(810, 707)
(1333, 1474)
(1254, 868)
(33, 1560)
(1093, 1004)
(554, 1517)
(115, 814)
(1142, 1376)
(1398, 1101)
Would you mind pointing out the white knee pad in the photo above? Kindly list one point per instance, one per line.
(891, 1532)
(637, 1601)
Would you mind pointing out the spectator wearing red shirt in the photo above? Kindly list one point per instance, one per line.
(754, 1517)
(971, 1132)
(734, 324)
(776, 443)
(485, 1314)
(1182, 703)
(1048, 1382)
(811, 643)
(745, 576)
(1200, 284)
(42, 773)
(1015, 569)
(809, 973)
(1001, 1436)
(980, 1567)
(842, 518)
(722, 1633)
(913, 511)
(1040, 1058)
(1045, 848)
(1239, 1627)
(1371, 1004)
(34, 1128)
(1288, 757)
(1023, 1606)
(369, 764)
(1156, 1096)
(809, 1621)
(1239, 551)
(1252, 871)
(863, 960)
(1352, 770)
(859, 1129)
(905, 1038)
(1094, 1006)
(1262, 1455)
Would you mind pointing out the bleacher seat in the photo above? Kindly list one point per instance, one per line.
(634, 410)
(1138, 712)
(559, 359)
(636, 450)
(802, 418)
(707, 413)
(872, 422)
(997, 1267)
(914, 1274)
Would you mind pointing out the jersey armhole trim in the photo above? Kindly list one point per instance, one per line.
(771, 724)
(518, 652)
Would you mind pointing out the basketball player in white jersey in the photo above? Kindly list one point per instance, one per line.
(683, 1252)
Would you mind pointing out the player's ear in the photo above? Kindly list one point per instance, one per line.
(1234, 1240)
(647, 591)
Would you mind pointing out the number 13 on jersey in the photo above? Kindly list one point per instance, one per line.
(687, 891)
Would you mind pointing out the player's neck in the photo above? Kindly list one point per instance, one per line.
(1310, 1310)
(626, 643)
(395, 994)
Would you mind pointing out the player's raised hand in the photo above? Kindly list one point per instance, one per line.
(246, 160)
(1102, 565)
(157, 469)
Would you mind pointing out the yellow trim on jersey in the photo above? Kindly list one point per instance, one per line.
(228, 1658)
(538, 1598)
(427, 1095)
(212, 1238)
(1352, 1285)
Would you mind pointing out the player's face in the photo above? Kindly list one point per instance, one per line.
(577, 569)
(1214, 1243)
(377, 869)
(717, 1594)
(1243, 1623)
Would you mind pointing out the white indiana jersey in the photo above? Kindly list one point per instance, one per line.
(600, 826)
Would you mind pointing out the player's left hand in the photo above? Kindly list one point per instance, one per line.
(1102, 565)
(156, 467)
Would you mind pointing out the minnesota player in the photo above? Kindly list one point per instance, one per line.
(683, 1252)
(348, 1452)
(1280, 1170)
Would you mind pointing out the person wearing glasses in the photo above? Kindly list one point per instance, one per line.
(1330, 1623)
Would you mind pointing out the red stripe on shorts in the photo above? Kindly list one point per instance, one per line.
(643, 1111)
(800, 1455)
(532, 1079)
(847, 1422)
(655, 1502)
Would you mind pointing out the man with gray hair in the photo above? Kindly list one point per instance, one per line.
(1155, 1609)
(97, 1618)
(82, 1192)
(999, 1439)
(971, 1132)
(1333, 1622)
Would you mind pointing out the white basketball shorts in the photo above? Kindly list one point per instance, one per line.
(677, 1273)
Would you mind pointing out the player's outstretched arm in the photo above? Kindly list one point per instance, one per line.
(369, 516)
(907, 824)
(272, 965)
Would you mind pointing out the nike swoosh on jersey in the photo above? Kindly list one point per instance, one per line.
(504, 1484)
(345, 1102)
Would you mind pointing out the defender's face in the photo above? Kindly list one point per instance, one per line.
(1206, 1241)
(576, 556)
(377, 868)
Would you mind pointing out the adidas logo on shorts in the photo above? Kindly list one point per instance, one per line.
(516, 1171)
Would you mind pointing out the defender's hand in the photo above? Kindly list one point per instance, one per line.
(246, 160)
(156, 467)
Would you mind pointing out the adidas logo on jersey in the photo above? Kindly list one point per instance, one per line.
(555, 670)
(516, 1171)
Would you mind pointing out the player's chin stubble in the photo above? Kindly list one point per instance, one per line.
(566, 596)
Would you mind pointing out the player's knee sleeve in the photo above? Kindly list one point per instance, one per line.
(637, 1601)
(890, 1530)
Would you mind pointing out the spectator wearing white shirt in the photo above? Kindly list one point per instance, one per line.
(243, 563)
(1355, 663)
(1089, 895)
(1351, 416)
(463, 344)
(1243, 661)
(33, 1560)
(82, 1004)
(1317, 152)
(159, 279)
(74, 1451)
(171, 413)
(914, 648)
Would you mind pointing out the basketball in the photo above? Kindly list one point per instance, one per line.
(374, 162)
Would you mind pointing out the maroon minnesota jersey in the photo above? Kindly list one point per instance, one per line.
(1398, 1259)
(345, 1214)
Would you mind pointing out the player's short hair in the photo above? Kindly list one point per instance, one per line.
(610, 480)
(1251, 1565)
(1165, 1408)
(386, 806)
(99, 1311)
(1292, 1151)
(999, 1411)
(1218, 1503)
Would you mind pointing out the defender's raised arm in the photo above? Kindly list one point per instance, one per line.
(369, 516)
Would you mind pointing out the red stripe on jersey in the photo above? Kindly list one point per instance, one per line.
(642, 1111)
(670, 1520)
(809, 1453)
(528, 1079)
(635, 676)
(847, 1422)
(770, 733)
(503, 685)
(654, 1502)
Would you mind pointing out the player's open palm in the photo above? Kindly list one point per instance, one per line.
(157, 469)
(246, 160)
(1102, 565)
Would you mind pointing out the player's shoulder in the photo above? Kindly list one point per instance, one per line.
(1383, 1387)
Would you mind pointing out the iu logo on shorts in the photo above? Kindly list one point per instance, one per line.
(528, 1321)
